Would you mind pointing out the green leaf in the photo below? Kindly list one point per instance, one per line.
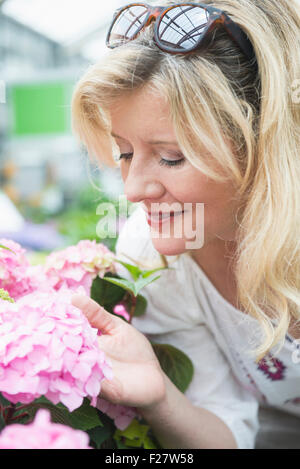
(136, 272)
(42, 400)
(125, 284)
(140, 278)
(176, 364)
(4, 295)
(134, 430)
(149, 444)
(3, 401)
(142, 282)
(105, 293)
(147, 273)
(134, 436)
(103, 436)
(2, 423)
(99, 435)
(85, 417)
(138, 443)
(133, 269)
(132, 287)
(8, 249)
(121, 445)
(140, 306)
(58, 414)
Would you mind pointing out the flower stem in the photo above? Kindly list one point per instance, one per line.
(17, 417)
(21, 407)
(10, 412)
(132, 308)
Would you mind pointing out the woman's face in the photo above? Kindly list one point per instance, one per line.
(158, 176)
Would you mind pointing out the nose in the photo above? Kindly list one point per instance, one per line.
(141, 183)
(139, 191)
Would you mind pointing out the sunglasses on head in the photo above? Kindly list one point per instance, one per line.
(179, 29)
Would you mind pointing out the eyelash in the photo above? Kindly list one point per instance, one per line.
(162, 162)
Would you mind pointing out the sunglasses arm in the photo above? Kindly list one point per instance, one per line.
(240, 37)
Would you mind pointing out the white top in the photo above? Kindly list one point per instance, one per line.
(185, 310)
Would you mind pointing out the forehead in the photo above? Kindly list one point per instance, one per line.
(143, 113)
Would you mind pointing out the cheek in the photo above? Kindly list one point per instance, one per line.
(218, 199)
(184, 186)
(220, 218)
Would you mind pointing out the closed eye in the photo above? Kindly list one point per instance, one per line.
(162, 162)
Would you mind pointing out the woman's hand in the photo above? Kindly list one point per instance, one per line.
(138, 379)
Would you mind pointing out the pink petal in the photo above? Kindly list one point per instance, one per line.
(72, 400)
(57, 348)
(122, 421)
(69, 359)
(92, 386)
(54, 397)
(81, 371)
(60, 385)
(73, 342)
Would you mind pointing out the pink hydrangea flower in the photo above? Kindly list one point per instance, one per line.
(48, 347)
(79, 265)
(121, 311)
(43, 434)
(13, 267)
(122, 415)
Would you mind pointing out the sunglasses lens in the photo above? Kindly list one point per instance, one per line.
(127, 24)
(182, 26)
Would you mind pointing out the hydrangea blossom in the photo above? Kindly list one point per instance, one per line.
(79, 265)
(13, 267)
(43, 434)
(120, 310)
(48, 347)
(122, 415)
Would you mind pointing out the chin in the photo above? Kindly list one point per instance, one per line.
(169, 247)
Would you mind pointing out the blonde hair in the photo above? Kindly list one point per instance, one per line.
(247, 121)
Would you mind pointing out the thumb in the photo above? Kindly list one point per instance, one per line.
(97, 316)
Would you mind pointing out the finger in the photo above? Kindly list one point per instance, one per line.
(111, 390)
(97, 316)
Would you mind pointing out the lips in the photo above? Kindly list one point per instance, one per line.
(162, 215)
(159, 218)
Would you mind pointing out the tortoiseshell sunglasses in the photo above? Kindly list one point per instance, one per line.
(179, 29)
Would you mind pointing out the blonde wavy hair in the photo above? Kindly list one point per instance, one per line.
(218, 97)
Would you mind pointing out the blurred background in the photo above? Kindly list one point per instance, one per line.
(48, 189)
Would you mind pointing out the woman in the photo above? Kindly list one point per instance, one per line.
(205, 114)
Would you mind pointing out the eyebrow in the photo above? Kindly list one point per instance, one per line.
(151, 142)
